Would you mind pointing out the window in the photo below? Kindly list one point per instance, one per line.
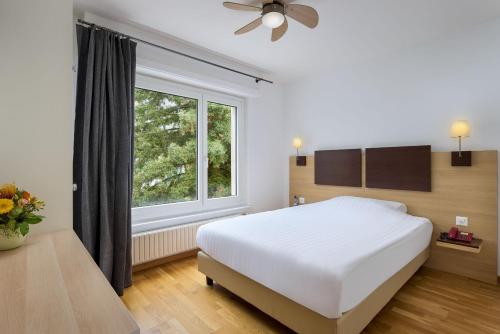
(221, 150)
(165, 153)
(187, 155)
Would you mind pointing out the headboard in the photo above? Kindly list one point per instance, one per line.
(456, 191)
(400, 168)
(338, 167)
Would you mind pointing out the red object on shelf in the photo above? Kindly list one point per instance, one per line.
(474, 243)
(456, 234)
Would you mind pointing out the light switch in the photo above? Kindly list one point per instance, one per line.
(462, 221)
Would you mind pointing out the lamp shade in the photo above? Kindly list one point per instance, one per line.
(297, 143)
(460, 129)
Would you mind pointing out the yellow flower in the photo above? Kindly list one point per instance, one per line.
(6, 205)
(8, 190)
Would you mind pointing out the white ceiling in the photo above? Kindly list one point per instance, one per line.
(349, 31)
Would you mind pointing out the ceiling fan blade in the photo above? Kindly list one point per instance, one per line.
(249, 27)
(306, 15)
(259, 3)
(263, 2)
(280, 31)
(239, 6)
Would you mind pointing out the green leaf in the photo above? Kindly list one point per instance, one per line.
(33, 219)
(11, 224)
(15, 212)
(24, 228)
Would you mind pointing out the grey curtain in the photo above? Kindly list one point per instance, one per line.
(103, 151)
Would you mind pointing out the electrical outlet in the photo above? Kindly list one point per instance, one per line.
(461, 221)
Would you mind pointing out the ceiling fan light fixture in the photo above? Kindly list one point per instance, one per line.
(273, 19)
(273, 15)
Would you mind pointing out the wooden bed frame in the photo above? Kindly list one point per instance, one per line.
(468, 191)
(298, 317)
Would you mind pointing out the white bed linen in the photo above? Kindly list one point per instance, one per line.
(327, 256)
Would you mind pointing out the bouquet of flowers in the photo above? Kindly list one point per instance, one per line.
(17, 210)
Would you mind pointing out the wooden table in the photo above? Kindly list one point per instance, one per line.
(52, 285)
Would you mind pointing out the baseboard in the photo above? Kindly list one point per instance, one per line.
(163, 260)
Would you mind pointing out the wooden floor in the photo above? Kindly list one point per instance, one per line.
(173, 298)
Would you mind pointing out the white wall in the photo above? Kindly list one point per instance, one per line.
(267, 160)
(407, 98)
(36, 120)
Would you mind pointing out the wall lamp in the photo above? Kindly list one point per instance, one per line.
(301, 159)
(460, 129)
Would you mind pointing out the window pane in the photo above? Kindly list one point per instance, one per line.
(221, 150)
(165, 165)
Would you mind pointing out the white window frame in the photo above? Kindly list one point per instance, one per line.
(171, 214)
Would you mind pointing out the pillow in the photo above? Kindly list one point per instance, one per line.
(398, 206)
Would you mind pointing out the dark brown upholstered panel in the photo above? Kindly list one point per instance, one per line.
(400, 168)
(338, 168)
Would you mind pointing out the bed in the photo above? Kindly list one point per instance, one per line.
(326, 267)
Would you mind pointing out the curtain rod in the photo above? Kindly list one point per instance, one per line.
(135, 39)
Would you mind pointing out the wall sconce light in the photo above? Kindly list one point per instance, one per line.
(460, 129)
(301, 160)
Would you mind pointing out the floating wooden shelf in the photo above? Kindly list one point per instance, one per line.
(472, 247)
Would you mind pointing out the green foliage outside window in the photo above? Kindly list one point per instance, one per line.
(165, 169)
(220, 118)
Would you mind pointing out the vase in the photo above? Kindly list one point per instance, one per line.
(10, 240)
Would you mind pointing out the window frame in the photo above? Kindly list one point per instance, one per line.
(164, 215)
(218, 203)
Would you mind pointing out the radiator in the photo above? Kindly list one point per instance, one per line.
(153, 245)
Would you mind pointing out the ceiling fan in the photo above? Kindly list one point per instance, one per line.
(273, 15)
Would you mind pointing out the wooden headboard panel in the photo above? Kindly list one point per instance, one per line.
(338, 167)
(456, 191)
(400, 168)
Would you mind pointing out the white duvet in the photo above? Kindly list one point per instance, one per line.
(327, 256)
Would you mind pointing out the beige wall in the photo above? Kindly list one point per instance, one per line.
(36, 118)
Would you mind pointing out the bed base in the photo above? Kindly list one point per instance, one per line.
(298, 317)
